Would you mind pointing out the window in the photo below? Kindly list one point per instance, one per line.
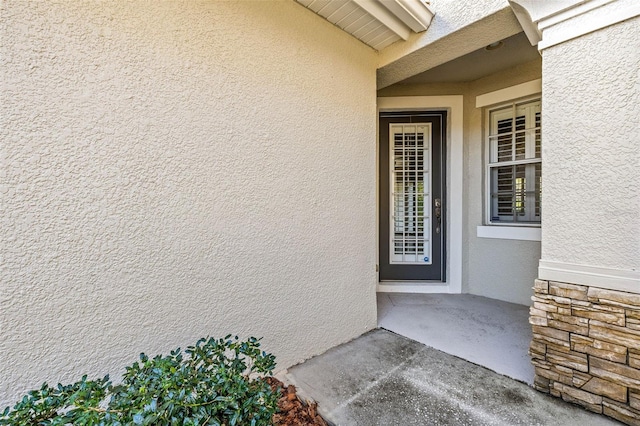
(515, 165)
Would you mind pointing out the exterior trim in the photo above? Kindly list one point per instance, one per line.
(385, 17)
(608, 278)
(376, 23)
(510, 232)
(530, 29)
(454, 168)
(415, 14)
(550, 23)
(591, 19)
(576, 10)
(508, 94)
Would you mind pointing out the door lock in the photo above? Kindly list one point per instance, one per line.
(437, 203)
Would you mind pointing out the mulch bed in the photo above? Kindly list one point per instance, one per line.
(292, 412)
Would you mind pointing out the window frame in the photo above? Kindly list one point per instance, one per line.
(488, 223)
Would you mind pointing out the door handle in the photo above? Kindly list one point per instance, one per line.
(437, 203)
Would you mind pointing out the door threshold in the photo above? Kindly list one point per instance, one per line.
(413, 287)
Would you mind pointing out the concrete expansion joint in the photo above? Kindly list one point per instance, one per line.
(380, 379)
(304, 396)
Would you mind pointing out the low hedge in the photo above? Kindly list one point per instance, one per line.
(215, 382)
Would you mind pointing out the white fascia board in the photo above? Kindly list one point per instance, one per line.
(593, 16)
(414, 13)
(530, 28)
(539, 10)
(568, 13)
(550, 23)
(385, 17)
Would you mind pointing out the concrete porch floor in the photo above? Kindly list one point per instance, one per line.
(488, 332)
(382, 378)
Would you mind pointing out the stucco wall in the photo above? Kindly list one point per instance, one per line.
(171, 170)
(591, 152)
(496, 268)
(500, 269)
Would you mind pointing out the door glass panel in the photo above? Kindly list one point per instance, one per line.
(411, 193)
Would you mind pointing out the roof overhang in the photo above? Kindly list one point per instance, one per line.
(455, 43)
(377, 23)
(553, 22)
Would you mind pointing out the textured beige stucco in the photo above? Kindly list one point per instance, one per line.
(496, 268)
(591, 166)
(171, 170)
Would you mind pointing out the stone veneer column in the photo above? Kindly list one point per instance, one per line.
(586, 347)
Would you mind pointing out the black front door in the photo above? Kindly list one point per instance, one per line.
(412, 203)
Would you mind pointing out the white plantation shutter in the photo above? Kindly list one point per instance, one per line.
(515, 172)
(411, 198)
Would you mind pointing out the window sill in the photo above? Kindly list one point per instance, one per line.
(510, 233)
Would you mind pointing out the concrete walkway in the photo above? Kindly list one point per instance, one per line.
(488, 332)
(382, 378)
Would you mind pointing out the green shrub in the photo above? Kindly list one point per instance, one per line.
(216, 382)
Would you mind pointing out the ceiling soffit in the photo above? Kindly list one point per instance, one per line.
(491, 28)
(377, 23)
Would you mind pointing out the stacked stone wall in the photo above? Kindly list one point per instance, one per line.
(586, 347)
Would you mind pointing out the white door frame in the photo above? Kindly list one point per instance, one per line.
(454, 174)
